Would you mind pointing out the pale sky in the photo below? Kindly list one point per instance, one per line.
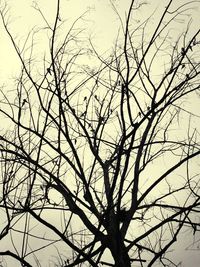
(102, 25)
(101, 22)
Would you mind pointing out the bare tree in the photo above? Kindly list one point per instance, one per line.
(99, 150)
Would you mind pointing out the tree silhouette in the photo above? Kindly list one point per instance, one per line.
(99, 150)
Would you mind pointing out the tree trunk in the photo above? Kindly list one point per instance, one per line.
(122, 260)
(118, 249)
(120, 255)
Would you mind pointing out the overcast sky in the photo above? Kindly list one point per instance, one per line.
(102, 24)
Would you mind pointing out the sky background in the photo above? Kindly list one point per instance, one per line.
(102, 24)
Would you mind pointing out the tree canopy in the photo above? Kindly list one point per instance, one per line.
(99, 149)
